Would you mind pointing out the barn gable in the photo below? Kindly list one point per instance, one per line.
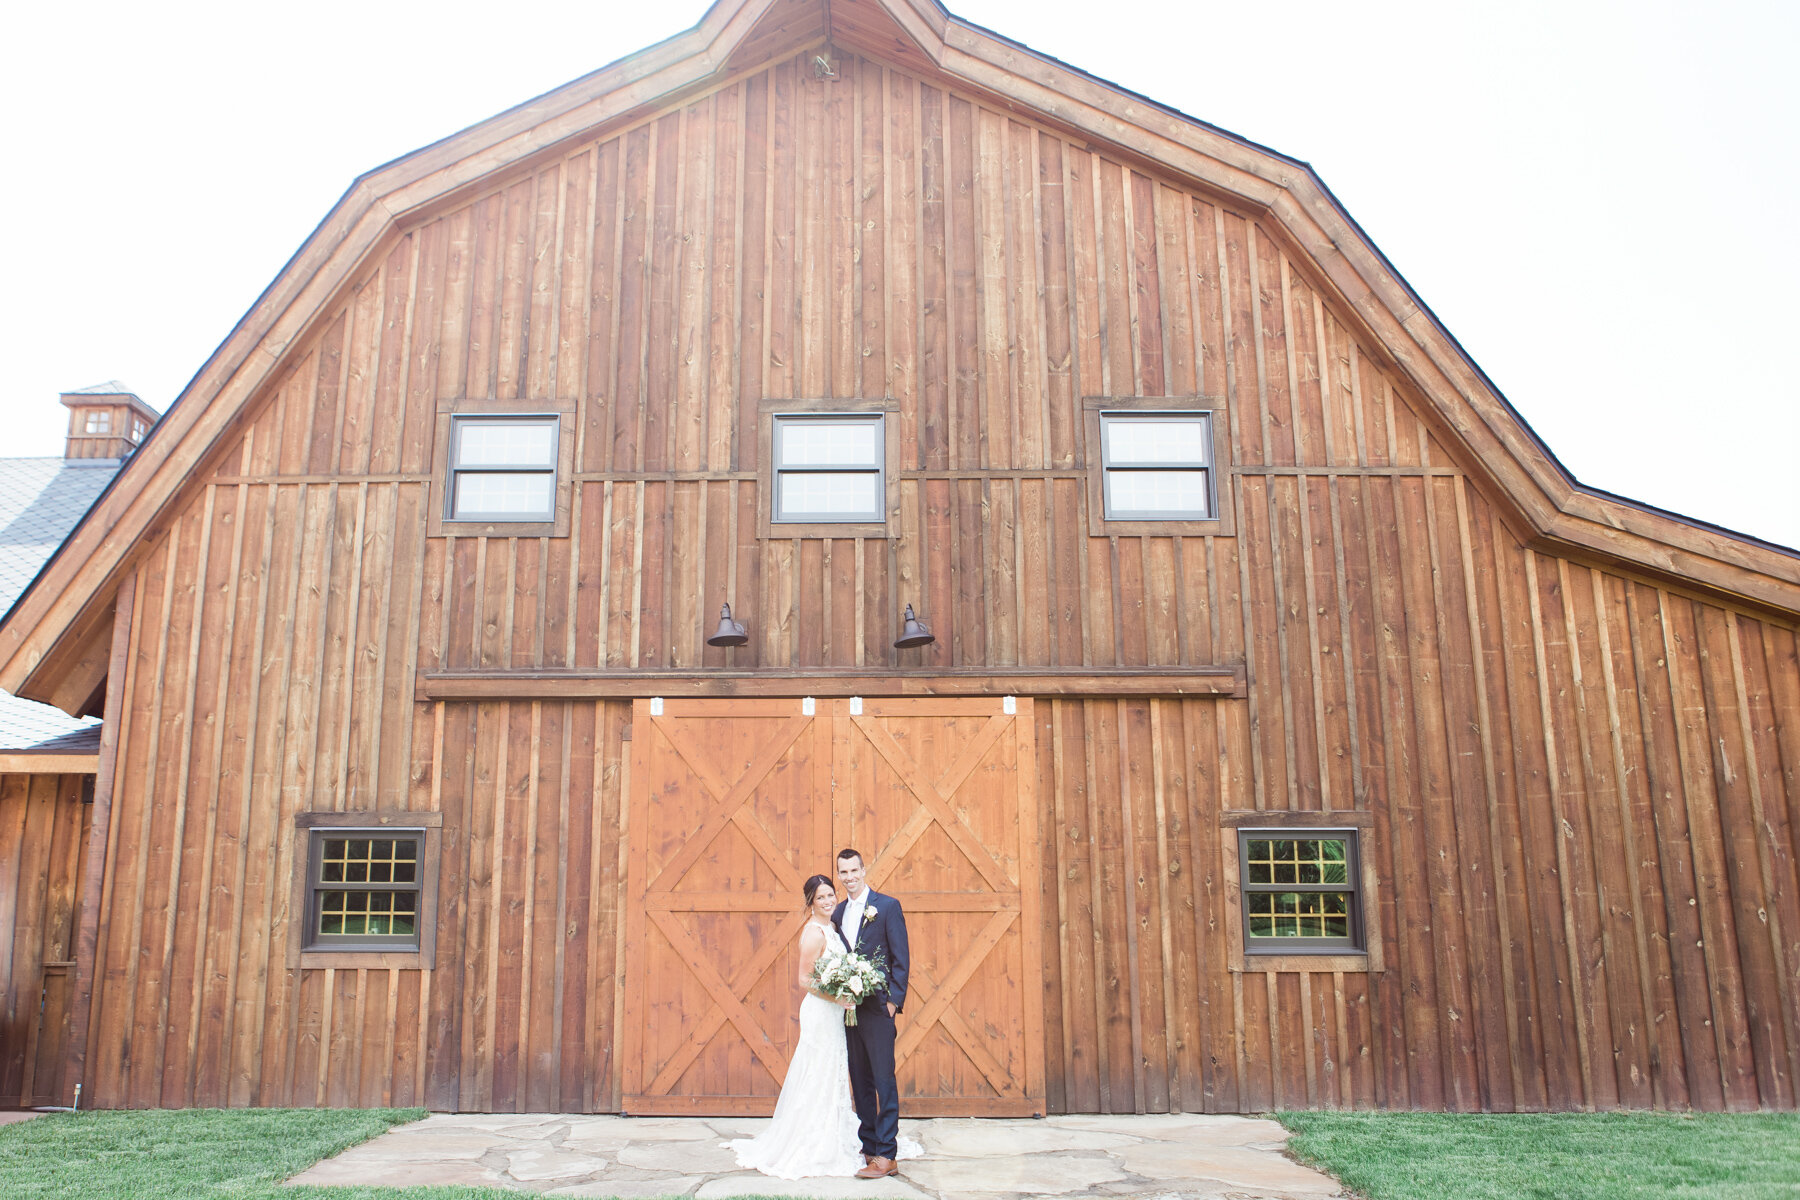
(1565, 729)
(61, 622)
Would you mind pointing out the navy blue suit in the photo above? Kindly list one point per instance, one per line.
(871, 1039)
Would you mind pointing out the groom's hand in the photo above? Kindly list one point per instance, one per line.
(891, 1010)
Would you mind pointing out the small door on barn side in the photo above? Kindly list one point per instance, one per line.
(735, 803)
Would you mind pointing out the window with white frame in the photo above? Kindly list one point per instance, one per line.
(829, 467)
(1157, 466)
(502, 468)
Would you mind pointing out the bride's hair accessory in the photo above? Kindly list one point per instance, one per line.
(813, 885)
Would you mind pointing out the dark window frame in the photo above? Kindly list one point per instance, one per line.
(779, 468)
(317, 888)
(1109, 470)
(1352, 888)
(459, 422)
(380, 823)
(1221, 521)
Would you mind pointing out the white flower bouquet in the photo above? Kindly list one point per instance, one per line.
(853, 977)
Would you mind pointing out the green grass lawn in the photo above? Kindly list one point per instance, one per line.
(200, 1154)
(244, 1154)
(1564, 1156)
(197, 1154)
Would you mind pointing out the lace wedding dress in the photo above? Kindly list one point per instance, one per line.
(814, 1130)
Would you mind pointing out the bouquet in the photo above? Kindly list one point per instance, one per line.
(850, 976)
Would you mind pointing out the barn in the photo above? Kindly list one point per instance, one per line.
(1247, 709)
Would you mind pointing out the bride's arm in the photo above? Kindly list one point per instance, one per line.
(812, 944)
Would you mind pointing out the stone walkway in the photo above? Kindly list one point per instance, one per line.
(1156, 1157)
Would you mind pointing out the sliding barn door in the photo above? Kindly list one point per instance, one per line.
(940, 793)
(730, 812)
(735, 803)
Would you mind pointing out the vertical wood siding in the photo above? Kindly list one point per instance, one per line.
(1583, 786)
(43, 842)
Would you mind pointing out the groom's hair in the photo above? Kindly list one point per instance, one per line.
(846, 852)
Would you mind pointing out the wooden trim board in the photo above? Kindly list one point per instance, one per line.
(584, 685)
(26, 763)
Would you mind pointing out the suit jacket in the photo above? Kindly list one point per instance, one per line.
(886, 933)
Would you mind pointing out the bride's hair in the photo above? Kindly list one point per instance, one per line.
(813, 885)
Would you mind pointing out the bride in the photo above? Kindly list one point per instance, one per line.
(814, 1130)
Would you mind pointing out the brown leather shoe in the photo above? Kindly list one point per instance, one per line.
(877, 1168)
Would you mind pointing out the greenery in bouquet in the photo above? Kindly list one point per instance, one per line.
(850, 976)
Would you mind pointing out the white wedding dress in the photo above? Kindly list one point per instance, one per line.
(814, 1130)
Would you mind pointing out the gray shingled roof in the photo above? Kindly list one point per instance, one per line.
(41, 499)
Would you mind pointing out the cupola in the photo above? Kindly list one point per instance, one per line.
(106, 421)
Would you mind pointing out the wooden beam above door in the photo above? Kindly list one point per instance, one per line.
(985, 681)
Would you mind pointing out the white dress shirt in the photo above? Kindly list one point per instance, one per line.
(853, 916)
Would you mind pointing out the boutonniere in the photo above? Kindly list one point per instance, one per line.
(868, 914)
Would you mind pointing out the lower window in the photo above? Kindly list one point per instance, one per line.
(1300, 891)
(363, 889)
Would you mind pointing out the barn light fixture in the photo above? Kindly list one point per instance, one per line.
(913, 633)
(729, 632)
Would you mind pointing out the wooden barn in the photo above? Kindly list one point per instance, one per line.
(1295, 732)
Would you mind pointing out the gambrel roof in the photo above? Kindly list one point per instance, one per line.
(62, 620)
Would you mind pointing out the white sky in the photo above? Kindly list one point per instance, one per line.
(1595, 197)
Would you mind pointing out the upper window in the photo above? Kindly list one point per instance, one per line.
(829, 468)
(1157, 466)
(1300, 893)
(363, 888)
(138, 430)
(503, 468)
(99, 422)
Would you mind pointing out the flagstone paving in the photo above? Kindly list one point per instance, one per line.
(1177, 1157)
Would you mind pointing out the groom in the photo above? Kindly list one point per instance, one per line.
(871, 922)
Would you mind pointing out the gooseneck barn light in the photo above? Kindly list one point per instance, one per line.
(729, 632)
(913, 633)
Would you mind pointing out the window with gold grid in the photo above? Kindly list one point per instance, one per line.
(365, 887)
(1300, 893)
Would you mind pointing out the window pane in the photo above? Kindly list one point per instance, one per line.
(1321, 861)
(506, 444)
(520, 495)
(1299, 914)
(848, 443)
(1155, 492)
(1261, 862)
(1334, 864)
(368, 914)
(1156, 440)
(366, 860)
(842, 495)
